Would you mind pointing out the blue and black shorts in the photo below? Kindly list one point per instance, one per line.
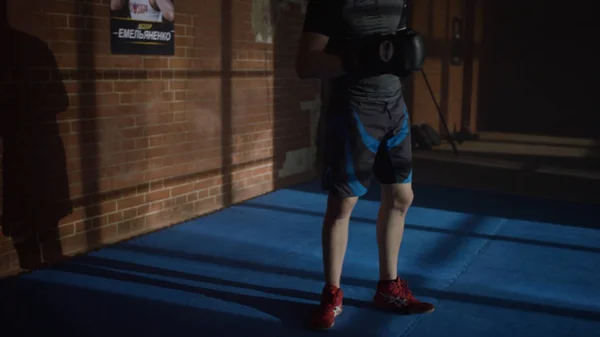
(366, 140)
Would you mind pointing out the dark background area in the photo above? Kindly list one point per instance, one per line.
(538, 69)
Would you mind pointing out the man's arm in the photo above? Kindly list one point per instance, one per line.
(167, 9)
(116, 5)
(319, 26)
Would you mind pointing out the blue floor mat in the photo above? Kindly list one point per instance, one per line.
(255, 269)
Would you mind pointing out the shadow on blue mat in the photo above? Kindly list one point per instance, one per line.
(465, 230)
(348, 280)
(32, 309)
(91, 313)
(488, 203)
(36, 307)
(72, 311)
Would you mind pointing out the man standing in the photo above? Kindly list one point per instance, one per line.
(367, 135)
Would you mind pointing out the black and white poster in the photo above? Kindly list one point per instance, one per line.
(142, 27)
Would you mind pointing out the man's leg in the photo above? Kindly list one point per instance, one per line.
(395, 201)
(334, 242)
(349, 163)
(393, 169)
(335, 236)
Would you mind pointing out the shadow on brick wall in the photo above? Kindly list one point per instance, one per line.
(87, 122)
(287, 92)
(296, 102)
(34, 181)
(226, 98)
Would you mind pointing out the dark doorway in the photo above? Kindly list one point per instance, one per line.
(537, 69)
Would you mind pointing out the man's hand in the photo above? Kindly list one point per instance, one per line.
(320, 23)
(313, 62)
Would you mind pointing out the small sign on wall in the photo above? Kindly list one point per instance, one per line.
(142, 27)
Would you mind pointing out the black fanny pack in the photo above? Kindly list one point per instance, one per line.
(411, 45)
(400, 53)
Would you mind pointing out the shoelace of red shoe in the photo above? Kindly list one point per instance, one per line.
(332, 300)
(400, 289)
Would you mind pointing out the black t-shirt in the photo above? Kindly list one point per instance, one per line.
(346, 19)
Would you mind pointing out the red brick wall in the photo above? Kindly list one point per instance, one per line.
(145, 141)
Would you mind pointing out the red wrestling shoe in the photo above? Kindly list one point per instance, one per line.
(395, 296)
(323, 317)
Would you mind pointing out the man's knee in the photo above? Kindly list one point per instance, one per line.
(339, 207)
(403, 201)
(398, 196)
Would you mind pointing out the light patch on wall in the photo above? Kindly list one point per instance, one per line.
(304, 160)
(153, 111)
(207, 123)
(266, 14)
(113, 157)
